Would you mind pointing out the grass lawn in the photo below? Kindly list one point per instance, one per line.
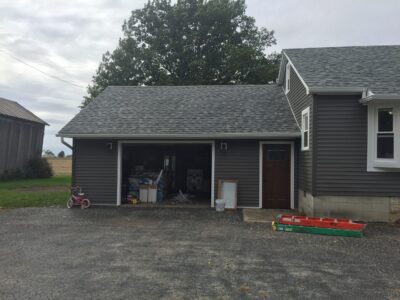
(52, 191)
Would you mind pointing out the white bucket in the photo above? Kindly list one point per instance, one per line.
(220, 205)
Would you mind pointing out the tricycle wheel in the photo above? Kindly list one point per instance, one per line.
(85, 203)
(70, 203)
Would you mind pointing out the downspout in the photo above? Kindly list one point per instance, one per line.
(66, 144)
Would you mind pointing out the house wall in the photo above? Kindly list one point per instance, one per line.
(341, 151)
(95, 169)
(299, 100)
(20, 141)
(240, 162)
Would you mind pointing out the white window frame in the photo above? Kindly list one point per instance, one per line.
(287, 78)
(305, 112)
(375, 164)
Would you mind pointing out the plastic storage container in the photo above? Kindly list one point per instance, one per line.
(220, 205)
(152, 193)
(143, 193)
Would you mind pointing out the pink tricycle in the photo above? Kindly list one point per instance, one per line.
(77, 198)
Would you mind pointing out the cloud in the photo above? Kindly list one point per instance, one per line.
(68, 39)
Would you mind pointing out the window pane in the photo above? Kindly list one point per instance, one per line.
(385, 145)
(385, 119)
(305, 139)
(305, 126)
(277, 154)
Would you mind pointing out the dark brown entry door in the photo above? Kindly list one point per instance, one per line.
(276, 176)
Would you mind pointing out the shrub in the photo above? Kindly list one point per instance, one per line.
(38, 168)
(12, 174)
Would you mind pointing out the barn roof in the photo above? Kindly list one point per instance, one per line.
(13, 109)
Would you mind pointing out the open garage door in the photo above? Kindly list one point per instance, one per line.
(166, 173)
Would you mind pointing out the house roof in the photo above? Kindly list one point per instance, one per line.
(376, 68)
(13, 109)
(185, 111)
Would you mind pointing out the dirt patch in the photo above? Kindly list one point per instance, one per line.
(57, 188)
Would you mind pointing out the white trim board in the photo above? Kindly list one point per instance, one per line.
(119, 162)
(297, 72)
(261, 146)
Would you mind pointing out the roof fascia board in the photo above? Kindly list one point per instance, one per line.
(297, 72)
(41, 122)
(273, 135)
(379, 98)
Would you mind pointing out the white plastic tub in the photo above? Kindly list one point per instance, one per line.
(220, 205)
(152, 193)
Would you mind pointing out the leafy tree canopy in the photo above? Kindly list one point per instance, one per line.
(188, 43)
(48, 153)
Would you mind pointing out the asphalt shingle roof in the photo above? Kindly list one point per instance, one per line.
(14, 109)
(373, 67)
(191, 110)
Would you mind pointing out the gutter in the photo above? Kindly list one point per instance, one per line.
(338, 90)
(267, 135)
(379, 98)
(66, 144)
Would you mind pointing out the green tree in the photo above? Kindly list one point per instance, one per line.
(61, 154)
(189, 42)
(48, 153)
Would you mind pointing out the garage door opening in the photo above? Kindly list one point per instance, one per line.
(166, 173)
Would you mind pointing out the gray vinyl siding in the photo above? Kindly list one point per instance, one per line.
(299, 100)
(240, 162)
(341, 151)
(20, 141)
(95, 170)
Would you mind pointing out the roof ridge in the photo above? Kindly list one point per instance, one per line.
(342, 47)
(191, 86)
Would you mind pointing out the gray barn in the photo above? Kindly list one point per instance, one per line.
(21, 135)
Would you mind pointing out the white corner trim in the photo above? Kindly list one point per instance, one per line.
(261, 158)
(297, 72)
(119, 174)
(213, 174)
(119, 162)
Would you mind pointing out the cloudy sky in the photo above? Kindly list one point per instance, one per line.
(67, 39)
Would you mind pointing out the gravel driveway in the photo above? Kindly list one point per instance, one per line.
(127, 253)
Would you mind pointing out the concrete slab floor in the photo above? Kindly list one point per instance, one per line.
(264, 215)
(150, 253)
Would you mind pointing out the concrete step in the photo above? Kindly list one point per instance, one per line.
(259, 215)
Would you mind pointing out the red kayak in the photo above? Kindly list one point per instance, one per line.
(319, 222)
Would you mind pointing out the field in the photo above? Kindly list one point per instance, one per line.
(52, 191)
(61, 166)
